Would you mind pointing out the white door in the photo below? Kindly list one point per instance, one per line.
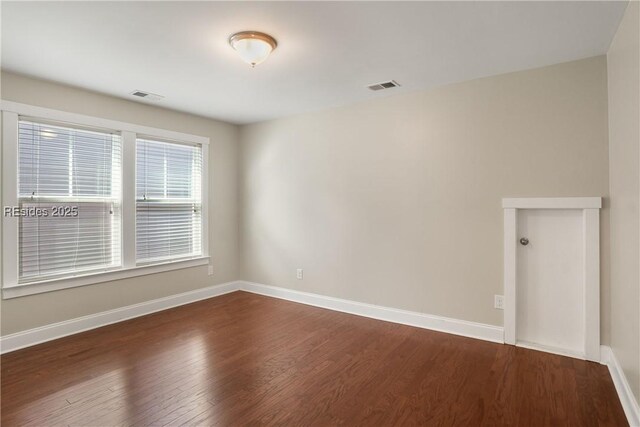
(550, 300)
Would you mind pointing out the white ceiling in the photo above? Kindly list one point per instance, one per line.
(328, 51)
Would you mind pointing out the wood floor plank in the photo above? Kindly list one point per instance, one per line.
(245, 359)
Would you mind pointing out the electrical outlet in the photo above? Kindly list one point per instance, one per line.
(299, 274)
(498, 302)
(211, 270)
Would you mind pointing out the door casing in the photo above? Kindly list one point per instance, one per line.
(590, 207)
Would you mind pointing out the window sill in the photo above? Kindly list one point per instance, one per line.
(20, 290)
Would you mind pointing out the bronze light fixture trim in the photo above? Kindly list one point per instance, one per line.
(253, 46)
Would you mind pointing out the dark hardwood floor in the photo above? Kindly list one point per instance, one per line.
(244, 359)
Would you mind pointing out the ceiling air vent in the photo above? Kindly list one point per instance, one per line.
(147, 95)
(384, 85)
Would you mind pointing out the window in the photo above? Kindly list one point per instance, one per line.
(88, 200)
(69, 187)
(168, 202)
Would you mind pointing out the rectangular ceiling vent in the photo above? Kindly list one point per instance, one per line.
(384, 85)
(147, 95)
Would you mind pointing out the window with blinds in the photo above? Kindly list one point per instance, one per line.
(168, 201)
(73, 175)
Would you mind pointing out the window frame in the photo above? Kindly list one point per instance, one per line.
(11, 111)
(139, 137)
(50, 199)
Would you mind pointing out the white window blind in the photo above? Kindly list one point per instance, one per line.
(168, 201)
(72, 174)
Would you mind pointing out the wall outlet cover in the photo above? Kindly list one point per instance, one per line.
(498, 302)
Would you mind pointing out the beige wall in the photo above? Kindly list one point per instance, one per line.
(393, 202)
(624, 139)
(397, 202)
(27, 312)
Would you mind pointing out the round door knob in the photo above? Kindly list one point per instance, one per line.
(524, 241)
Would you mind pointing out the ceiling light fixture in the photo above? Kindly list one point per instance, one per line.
(252, 46)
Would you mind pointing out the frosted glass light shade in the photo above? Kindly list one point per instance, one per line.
(253, 47)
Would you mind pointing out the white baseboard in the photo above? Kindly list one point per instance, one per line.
(69, 327)
(54, 331)
(628, 400)
(465, 328)
(412, 318)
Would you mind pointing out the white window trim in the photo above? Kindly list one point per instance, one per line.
(10, 113)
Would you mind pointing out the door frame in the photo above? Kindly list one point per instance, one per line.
(590, 207)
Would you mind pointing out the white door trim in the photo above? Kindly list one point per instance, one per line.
(553, 203)
(591, 223)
